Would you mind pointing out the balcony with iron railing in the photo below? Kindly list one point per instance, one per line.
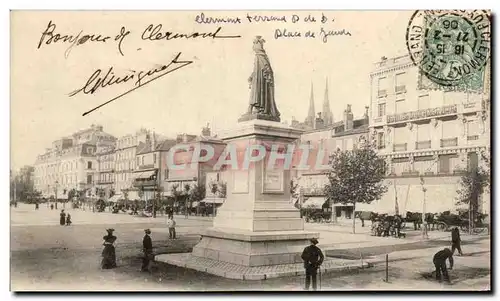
(313, 190)
(423, 144)
(400, 147)
(449, 142)
(382, 93)
(400, 89)
(422, 114)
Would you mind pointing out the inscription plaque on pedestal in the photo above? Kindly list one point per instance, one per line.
(273, 181)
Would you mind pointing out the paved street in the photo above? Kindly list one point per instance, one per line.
(46, 256)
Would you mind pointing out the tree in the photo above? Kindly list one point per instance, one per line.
(222, 190)
(485, 156)
(355, 177)
(471, 185)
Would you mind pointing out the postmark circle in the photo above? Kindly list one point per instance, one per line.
(450, 48)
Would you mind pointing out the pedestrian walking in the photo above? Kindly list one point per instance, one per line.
(109, 252)
(68, 220)
(51, 206)
(147, 247)
(439, 261)
(455, 241)
(313, 258)
(62, 218)
(171, 227)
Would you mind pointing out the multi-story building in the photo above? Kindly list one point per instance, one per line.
(71, 163)
(150, 169)
(105, 155)
(425, 135)
(195, 171)
(347, 134)
(125, 163)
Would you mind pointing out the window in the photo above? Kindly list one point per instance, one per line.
(423, 132)
(154, 158)
(472, 130)
(400, 83)
(142, 160)
(444, 164)
(472, 161)
(383, 85)
(89, 165)
(449, 129)
(137, 161)
(423, 102)
(380, 140)
(400, 135)
(400, 106)
(89, 179)
(349, 144)
(165, 174)
(381, 109)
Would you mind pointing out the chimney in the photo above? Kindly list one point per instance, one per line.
(348, 119)
(153, 141)
(206, 131)
(319, 122)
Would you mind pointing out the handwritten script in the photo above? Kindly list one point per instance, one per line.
(150, 33)
(99, 80)
(323, 33)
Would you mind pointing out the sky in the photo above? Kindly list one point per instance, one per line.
(213, 89)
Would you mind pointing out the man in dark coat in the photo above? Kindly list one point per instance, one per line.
(455, 241)
(440, 264)
(313, 258)
(147, 247)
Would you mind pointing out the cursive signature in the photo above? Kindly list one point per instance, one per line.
(97, 81)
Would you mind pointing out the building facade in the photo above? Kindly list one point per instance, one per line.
(125, 163)
(105, 155)
(347, 134)
(425, 135)
(70, 163)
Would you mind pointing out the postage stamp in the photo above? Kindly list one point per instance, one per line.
(451, 48)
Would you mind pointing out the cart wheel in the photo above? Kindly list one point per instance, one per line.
(442, 226)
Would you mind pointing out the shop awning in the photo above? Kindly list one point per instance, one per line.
(314, 202)
(213, 200)
(133, 195)
(115, 198)
(145, 174)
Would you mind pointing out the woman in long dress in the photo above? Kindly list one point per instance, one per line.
(108, 254)
(62, 218)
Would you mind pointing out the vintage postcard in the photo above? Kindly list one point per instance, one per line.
(250, 150)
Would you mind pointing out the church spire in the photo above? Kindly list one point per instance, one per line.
(327, 112)
(311, 115)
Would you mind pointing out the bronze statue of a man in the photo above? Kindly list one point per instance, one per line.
(261, 82)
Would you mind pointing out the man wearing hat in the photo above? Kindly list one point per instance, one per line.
(147, 247)
(313, 258)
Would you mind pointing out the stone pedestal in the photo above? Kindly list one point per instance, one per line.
(257, 225)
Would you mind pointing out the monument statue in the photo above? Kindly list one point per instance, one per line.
(262, 104)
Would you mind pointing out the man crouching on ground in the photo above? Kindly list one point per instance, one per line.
(313, 258)
(440, 264)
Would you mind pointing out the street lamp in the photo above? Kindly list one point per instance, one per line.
(55, 191)
(424, 220)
